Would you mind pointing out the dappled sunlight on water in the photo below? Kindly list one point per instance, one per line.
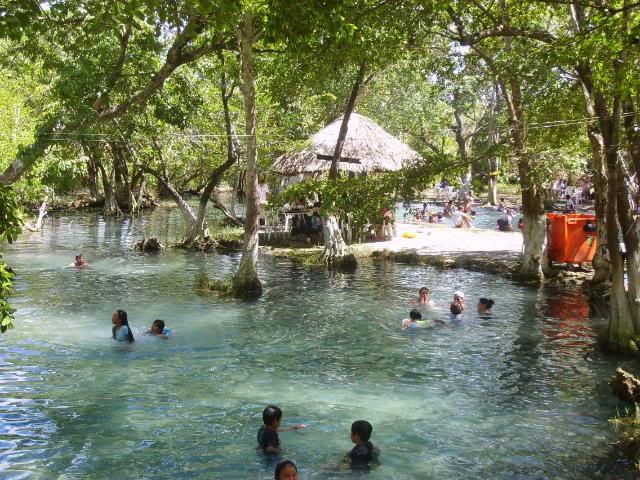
(522, 395)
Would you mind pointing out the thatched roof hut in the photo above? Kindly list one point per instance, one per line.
(367, 148)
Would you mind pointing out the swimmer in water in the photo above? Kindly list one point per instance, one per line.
(423, 298)
(286, 470)
(159, 329)
(411, 322)
(80, 262)
(121, 330)
(457, 306)
(484, 307)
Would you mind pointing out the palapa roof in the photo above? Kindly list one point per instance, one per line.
(376, 150)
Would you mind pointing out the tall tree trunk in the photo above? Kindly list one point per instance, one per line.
(534, 231)
(335, 248)
(111, 206)
(601, 260)
(123, 189)
(246, 282)
(494, 135)
(93, 173)
(492, 194)
(462, 139)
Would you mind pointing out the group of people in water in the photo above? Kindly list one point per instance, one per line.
(121, 331)
(362, 454)
(456, 309)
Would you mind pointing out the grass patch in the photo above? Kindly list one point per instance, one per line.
(227, 234)
(205, 283)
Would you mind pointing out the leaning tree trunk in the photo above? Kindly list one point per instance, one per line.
(335, 248)
(246, 282)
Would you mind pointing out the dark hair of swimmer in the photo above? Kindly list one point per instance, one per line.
(487, 302)
(415, 315)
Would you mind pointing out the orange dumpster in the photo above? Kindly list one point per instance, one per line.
(571, 237)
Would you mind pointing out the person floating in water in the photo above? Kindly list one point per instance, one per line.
(121, 330)
(364, 451)
(423, 298)
(267, 436)
(159, 329)
(286, 470)
(80, 262)
(484, 307)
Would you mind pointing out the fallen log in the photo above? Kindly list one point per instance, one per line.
(42, 212)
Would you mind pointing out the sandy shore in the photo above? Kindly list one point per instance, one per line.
(443, 239)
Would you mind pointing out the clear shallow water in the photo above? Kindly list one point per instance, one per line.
(523, 395)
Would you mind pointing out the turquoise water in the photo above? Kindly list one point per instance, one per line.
(523, 395)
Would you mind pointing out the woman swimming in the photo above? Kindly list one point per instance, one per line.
(424, 298)
(121, 331)
(484, 307)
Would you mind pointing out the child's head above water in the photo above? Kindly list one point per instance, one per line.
(415, 315)
(286, 470)
(361, 431)
(157, 327)
(271, 417)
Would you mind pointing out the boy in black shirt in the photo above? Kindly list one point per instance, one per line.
(364, 451)
(268, 433)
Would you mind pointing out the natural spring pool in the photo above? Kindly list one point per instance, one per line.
(523, 395)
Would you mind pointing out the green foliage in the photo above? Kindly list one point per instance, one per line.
(10, 214)
(10, 228)
(6, 288)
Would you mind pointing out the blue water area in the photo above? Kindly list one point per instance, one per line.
(523, 395)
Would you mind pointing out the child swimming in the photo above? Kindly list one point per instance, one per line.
(121, 330)
(364, 451)
(286, 470)
(159, 329)
(411, 322)
(267, 436)
(457, 306)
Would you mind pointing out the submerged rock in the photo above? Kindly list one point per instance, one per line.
(148, 245)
